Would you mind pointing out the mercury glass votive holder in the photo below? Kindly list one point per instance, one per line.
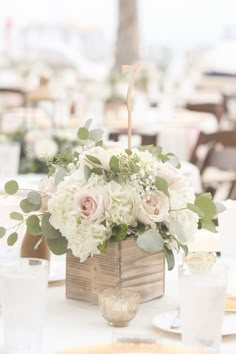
(200, 261)
(118, 306)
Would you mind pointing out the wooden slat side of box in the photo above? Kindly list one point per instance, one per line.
(123, 264)
(85, 280)
(141, 271)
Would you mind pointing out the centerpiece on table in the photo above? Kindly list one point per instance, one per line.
(117, 212)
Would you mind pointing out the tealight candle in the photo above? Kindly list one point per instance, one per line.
(119, 306)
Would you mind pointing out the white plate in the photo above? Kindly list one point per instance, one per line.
(164, 321)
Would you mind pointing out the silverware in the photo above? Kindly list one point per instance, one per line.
(176, 321)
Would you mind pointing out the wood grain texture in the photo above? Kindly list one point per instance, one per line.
(123, 264)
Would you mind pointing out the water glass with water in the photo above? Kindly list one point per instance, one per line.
(202, 298)
(23, 289)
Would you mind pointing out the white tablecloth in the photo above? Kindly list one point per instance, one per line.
(70, 323)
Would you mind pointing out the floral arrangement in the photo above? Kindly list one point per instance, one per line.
(101, 194)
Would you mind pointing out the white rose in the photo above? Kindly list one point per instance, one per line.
(120, 201)
(153, 207)
(89, 203)
(45, 147)
(172, 175)
(183, 225)
(100, 153)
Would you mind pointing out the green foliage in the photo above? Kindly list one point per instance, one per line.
(114, 164)
(88, 123)
(57, 246)
(93, 159)
(48, 230)
(60, 175)
(170, 258)
(2, 231)
(16, 216)
(27, 207)
(87, 172)
(34, 198)
(162, 185)
(103, 247)
(33, 225)
(12, 238)
(120, 231)
(83, 133)
(97, 171)
(96, 135)
(128, 152)
(99, 143)
(195, 209)
(208, 225)
(150, 241)
(220, 207)
(11, 187)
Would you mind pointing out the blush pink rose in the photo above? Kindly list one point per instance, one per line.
(154, 207)
(89, 204)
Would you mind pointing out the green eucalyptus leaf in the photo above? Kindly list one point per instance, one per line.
(97, 171)
(83, 133)
(96, 135)
(60, 175)
(162, 185)
(48, 230)
(150, 241)
(27, 207)
(208, 225)
(163, 157)
(93, 159)
(207, 206)
(87, 172)
(16, 216)
(57, 246)
(120, 231)
(33, 225)
(195, 209)
(128, 152)
(99, 143)
(11, 187)
(173, 159)
(2, 231)
(114, 164)
(88, 123)
(219, 207)
(12, 238)
(184, 248)
(170, 258)
(103, 247)
(34, 198)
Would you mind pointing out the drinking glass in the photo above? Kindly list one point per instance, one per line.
(23, 289)
(202, 298)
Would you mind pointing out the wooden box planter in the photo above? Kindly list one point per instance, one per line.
(125, 264)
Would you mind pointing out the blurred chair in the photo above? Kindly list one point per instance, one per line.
(215, 155)
(216, 108)
(9, 159)
(146, 139)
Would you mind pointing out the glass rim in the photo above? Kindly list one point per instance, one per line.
(12, 260)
